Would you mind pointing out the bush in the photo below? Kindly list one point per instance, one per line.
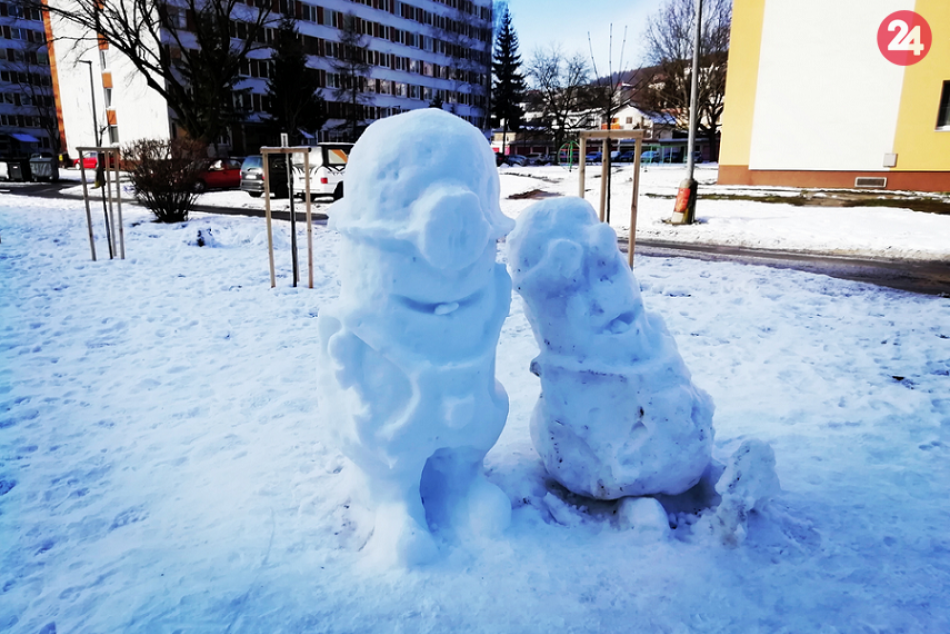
(164, 174)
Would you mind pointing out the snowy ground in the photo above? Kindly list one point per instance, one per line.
(855, 231)
(163, 465)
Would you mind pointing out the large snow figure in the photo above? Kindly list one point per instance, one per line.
(618, 413)
(408, 367)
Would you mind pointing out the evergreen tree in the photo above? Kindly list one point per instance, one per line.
(508, 86)
(294, 99)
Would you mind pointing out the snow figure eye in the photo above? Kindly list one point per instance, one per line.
(448, 227)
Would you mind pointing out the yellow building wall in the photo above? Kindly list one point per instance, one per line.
(919, 146)
(741, 80)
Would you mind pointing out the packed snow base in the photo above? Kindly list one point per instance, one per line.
(408, 350)
(618, 414)
(163, 467)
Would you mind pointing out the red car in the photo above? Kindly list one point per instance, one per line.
(221, 174)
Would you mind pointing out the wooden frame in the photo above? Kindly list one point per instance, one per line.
(265, 153)
(111, 175)
(608, 136)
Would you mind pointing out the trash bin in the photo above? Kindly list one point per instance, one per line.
(19, 169)
(44, 168)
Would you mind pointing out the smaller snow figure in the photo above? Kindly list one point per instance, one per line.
(618, 414)
(408, 350)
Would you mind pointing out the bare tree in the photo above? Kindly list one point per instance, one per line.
(559, 82)
(353, 67)
(184, 50)
(669, 41)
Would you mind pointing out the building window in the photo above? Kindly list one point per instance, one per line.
(108, 94)
(114, 134)
(943, 116)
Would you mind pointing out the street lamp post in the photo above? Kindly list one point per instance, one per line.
(92, 91)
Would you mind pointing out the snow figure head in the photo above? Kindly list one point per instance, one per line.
(618, 413)
(408, 350)
(426, 177)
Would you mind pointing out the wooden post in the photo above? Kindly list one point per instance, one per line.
(118, 198)
(107, 172)
(85, 198)
(582, 166)
(604, 166)
(631, 243)
(270, 234)
(306, 171)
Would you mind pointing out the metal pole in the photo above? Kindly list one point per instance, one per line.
(694, 89)
(92, 91)
(293, 215)
(684, 209)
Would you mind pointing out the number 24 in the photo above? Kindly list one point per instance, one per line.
(907, 39)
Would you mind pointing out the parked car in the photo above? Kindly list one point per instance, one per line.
(650, 156)
(626, 156)
(539, 159)
(516, 160)
(327, 166)
(221, 174)
(252, 176)
(595, 157)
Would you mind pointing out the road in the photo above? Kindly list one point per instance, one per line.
(927, 277)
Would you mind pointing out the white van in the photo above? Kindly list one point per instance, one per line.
(327, 163)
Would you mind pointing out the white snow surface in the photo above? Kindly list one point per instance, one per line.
(163, 467)
(407, 352)
(618, 414)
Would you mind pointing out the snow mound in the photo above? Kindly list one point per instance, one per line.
(408, 350)
(618, 413)
(748, 483)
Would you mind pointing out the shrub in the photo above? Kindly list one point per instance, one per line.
(164, 174)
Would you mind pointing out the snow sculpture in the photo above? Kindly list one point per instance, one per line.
(408, 367)
(618, 414)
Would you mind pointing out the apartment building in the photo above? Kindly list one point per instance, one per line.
(27, 107)
(418, 52)
(838, 94)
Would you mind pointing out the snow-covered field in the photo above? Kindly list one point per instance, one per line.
(163, 464)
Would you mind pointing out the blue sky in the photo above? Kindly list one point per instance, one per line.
(540, 23)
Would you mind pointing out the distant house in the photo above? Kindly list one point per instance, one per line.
(811, 99)
(656, 125)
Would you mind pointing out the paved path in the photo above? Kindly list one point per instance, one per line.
(929, 277)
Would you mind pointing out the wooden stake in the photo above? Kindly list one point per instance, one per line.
(604, 166)
(582, 166)
(270, 234)
(306, 168)
(85, 198)
(634, 202)
(118, 198)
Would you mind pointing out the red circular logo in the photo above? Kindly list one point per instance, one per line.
(904, 38)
